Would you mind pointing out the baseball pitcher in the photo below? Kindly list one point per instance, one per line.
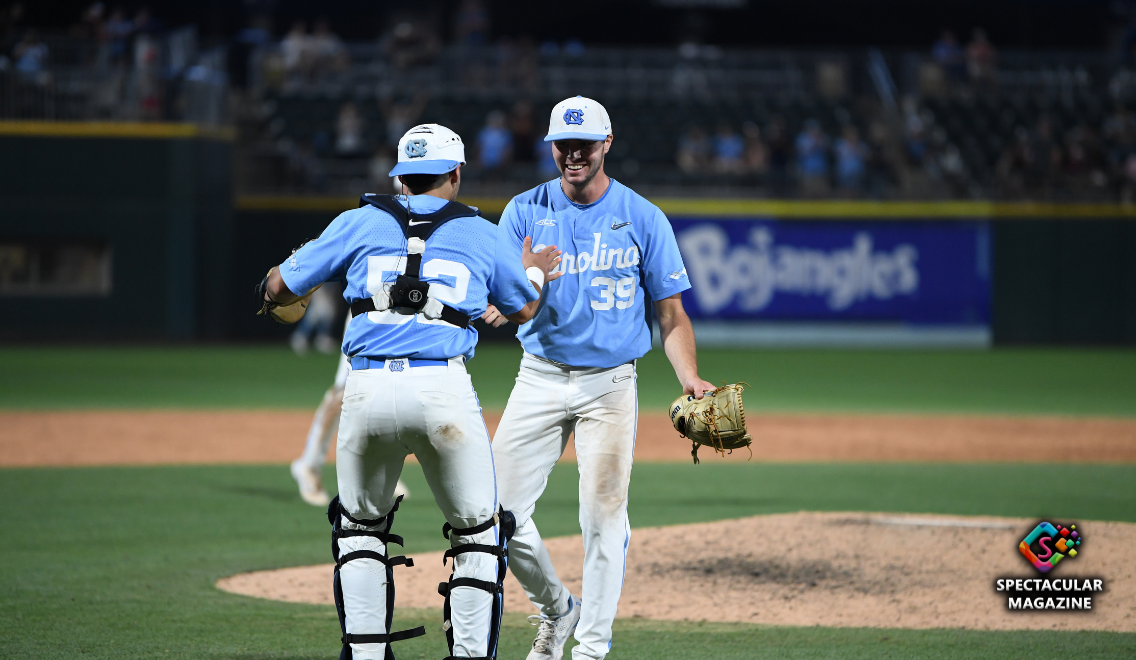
(620, 261)
(418, 268)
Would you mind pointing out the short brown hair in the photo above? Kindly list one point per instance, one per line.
(418, 184)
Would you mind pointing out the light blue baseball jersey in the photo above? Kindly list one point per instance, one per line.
(366, 248)
(620, 254)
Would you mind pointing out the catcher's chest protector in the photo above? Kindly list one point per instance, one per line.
(408, 290)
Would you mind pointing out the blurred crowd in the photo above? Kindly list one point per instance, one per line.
(110, 64)
(913, 158)
(135, 67)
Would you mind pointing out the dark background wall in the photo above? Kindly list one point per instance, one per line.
(164, 205)
(1065, 281)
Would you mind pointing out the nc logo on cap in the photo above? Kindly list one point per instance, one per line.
(415, 148)
(573, 116)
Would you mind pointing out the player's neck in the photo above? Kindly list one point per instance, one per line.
(446, 192)
(590, 192)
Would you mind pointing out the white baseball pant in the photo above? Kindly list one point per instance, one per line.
(549, 402)
(432, 412)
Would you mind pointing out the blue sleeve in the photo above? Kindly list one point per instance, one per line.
(320, 260)
(509, 288)
(663, 272)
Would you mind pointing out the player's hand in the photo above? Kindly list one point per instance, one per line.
(697, 387)
(547, 260)
(494, 317)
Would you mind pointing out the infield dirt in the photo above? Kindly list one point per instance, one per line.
(215, 436)
(801, 569)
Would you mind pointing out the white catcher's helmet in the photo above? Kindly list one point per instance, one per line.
(429, 149)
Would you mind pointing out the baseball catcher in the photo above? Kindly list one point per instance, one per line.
(717, 420)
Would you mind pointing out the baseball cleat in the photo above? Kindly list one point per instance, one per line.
(400, 490)
(554, 632)
(310, 483)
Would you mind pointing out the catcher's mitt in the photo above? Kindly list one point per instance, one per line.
(716, 420)
(286, 314)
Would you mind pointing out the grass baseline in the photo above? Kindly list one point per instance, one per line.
(1079, 382)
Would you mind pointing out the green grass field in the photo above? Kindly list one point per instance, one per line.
(1015, 382)
(120, 562)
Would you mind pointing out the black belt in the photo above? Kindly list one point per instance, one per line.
(449, 314)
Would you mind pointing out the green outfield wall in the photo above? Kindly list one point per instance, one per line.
(156, 198)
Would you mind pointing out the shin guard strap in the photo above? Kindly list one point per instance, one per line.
(444, 588)
(469, 531)
(382, 536)
(495, 550)
(410, 633)
(400, 560)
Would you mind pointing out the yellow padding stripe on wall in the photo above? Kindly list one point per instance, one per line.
(724, 208)
(113, 129)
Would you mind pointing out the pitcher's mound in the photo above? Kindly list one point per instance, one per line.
(804, 569)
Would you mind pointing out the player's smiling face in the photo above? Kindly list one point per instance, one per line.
(580, 161)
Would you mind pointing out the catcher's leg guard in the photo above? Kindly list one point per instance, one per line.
(470, 540)
(364, 542)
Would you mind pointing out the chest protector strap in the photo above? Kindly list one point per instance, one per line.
(408, 290)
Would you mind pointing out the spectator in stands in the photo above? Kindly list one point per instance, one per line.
(1043, 158)
(1127, 54)
(329, 54)
(524, 133)
(297, 51)
(118, 31)
(90, 27)
(471, 25)
(756, 156)
(729, 149)
(1083, 169)
(494, 143)
(410, 43)
(812, 159)
(851, 162)
(1120, 127)
(1128, 180)
(11, 19)
(30, 56)
(948, 54)
(914, 132)
(545, 163)
(1012, 165)
(780, 155)
(382, 162)
(349, 131)
(305, 169)
(880, 167)
(981, 60)
(693, 153)
(952, 169)
(400, 116)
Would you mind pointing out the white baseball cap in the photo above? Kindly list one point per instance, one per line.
(429, 149)
(578, 118)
